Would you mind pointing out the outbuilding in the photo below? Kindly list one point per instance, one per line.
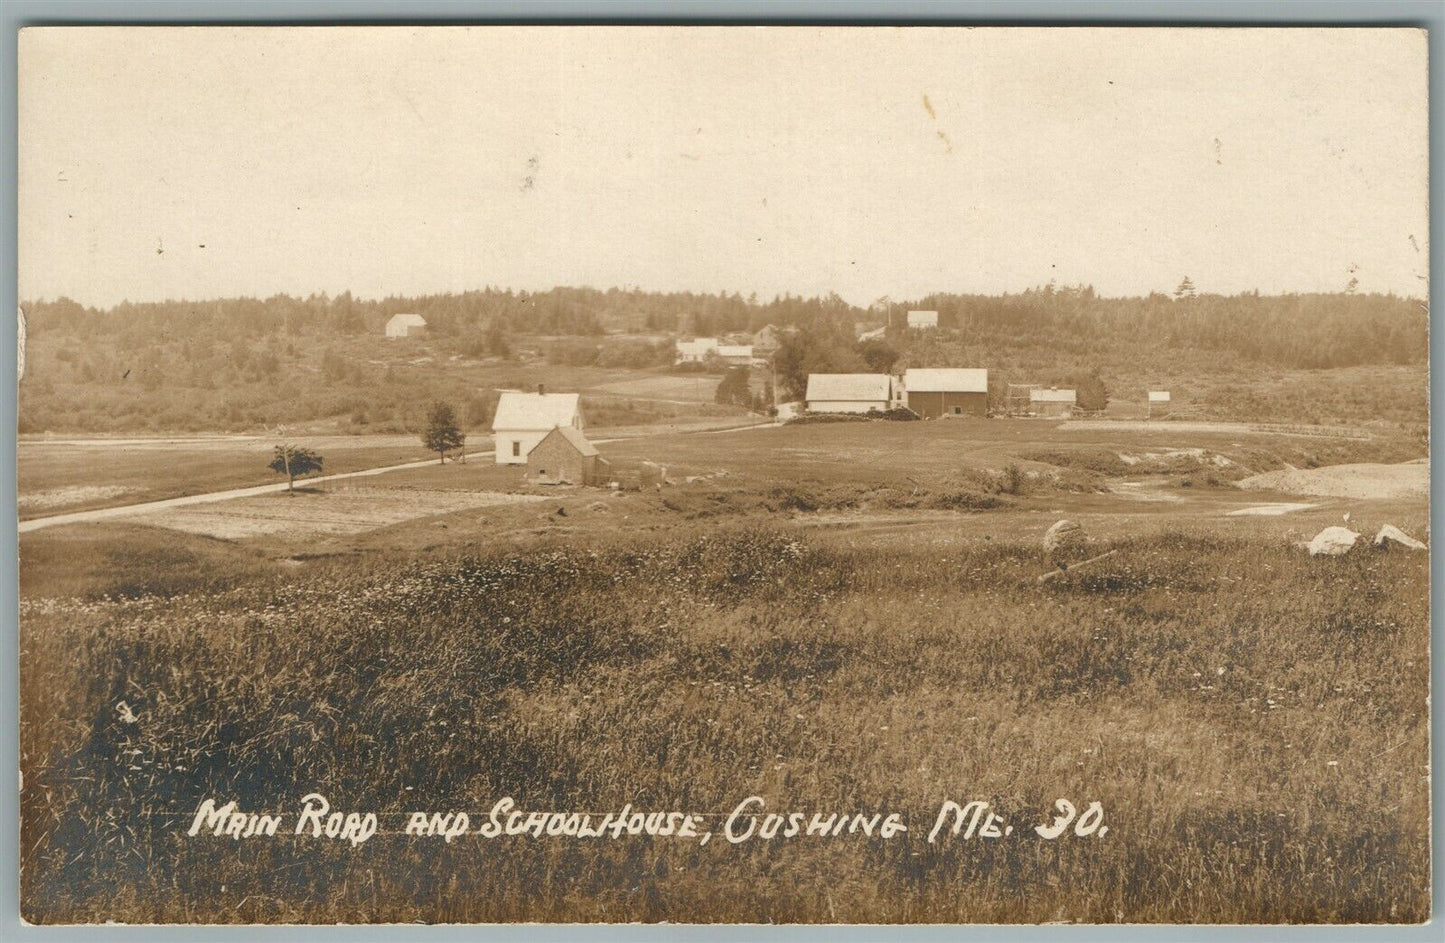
(938, 392)
(565, 457)
(1158, 399)
(849, 392)
(524, 419)
(919, 320)
(1053, 402)
(405, 325)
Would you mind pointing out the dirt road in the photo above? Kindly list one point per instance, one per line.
(144, 507)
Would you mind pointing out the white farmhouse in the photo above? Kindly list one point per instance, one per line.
(696, 351)
(524, 419)
(405, 325)
(849, 392)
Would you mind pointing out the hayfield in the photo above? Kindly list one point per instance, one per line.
(1253, 722)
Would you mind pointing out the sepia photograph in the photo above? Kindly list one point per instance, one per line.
(597, 474)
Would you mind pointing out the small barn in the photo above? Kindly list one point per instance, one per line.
(1053, 402)
(405, 325)
(565, 457)
(696, 351)
(849, 392)
(939, 392)
(1158, 401)
(922, 320)
(524, 419)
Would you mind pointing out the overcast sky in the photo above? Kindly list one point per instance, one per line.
(195, 163)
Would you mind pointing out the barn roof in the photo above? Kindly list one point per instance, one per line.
(1052, 396)
(574, 437)
(518, 411)
(866, 387)
(406, 320)
(1158, 396)
(946, 380)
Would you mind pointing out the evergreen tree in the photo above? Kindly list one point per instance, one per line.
(442, 434)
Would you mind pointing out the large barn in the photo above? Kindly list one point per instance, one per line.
(524, 419)
(405, 325)
(937, 392)
(849, 392)
(918, 320)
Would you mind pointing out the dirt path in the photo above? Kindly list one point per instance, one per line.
(145, 507)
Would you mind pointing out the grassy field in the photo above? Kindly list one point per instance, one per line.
(62, 474)
(810, 620)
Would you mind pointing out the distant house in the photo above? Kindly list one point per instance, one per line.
(934, 393)
(735, 355)
(767, 340)
(849, 392)
(922, 319)
(696, 351)
(565, 457)
(1158, 399)
(406, 325)
(524, 419)
(1053, 402)
(877, 334)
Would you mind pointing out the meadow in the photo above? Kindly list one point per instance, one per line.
(1252, 720)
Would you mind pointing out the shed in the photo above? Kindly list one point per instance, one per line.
(565, 457)
(1053, 402)
(1158, 399)
(934, 393)
(523, 419)
(849, 392)
(922, 319)
(405, 325)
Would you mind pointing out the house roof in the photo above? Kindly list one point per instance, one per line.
(699, 346)
(407, 320)
(574, 437)
(866, 387)
(1052, 396)
(522, 412)
(946, 380)
(874, 334)
(1158, 396)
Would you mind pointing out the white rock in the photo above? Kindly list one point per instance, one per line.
(1062, 537)
(1333, 542)
(1390, 534)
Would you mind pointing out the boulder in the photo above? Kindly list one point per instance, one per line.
(1063, 537)
(1391, 536)
(1333, 542)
